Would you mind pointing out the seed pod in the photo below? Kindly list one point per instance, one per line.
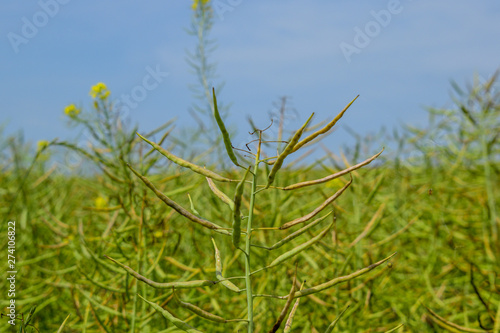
(237, 212)
(334, 323)
(218, 271)
(167, 285)
(297, 233)
(199, 311)
(289, 301)
(221, 195)
(341, 279)
(288, 325)
(324, 129)
(401, 325)
(193, 209)
(302, 247)
(288, 150)
(60, 330)
(317, 210)
(225, 134)
(170, 317)
(333, 176)
(181, 210)
(331, 283)
(452, 327)
(179, 161)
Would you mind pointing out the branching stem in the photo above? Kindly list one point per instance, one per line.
(248, 238)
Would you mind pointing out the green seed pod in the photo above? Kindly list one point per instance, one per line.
(333, 176)
(289, 301)
(237, 212)
(288, 325)
(334, 323)
(317, 210)
(167, 285)
(179, 161)
(288, 150)
(331, 283)
(198, 311)
(171, 318)
(225, 134)
(181, 210)
(221, 195)
(218, 271)
(324, 129)
(298, 233)
(302, 247)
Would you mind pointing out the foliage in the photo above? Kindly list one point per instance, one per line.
(433, 209)
(114, 248)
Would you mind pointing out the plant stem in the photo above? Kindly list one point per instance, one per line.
(248, 269)
(489, 188)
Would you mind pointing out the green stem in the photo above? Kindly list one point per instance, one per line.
(248, 279)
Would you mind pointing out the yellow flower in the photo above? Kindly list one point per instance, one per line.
(101, 202)
(195, 4)
(41, 145)
(158, 234)
(99, 91)
(71, 110)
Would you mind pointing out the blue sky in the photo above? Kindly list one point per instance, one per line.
(266, 49)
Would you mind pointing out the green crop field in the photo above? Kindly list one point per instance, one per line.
(179, 230)
(147, 241)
